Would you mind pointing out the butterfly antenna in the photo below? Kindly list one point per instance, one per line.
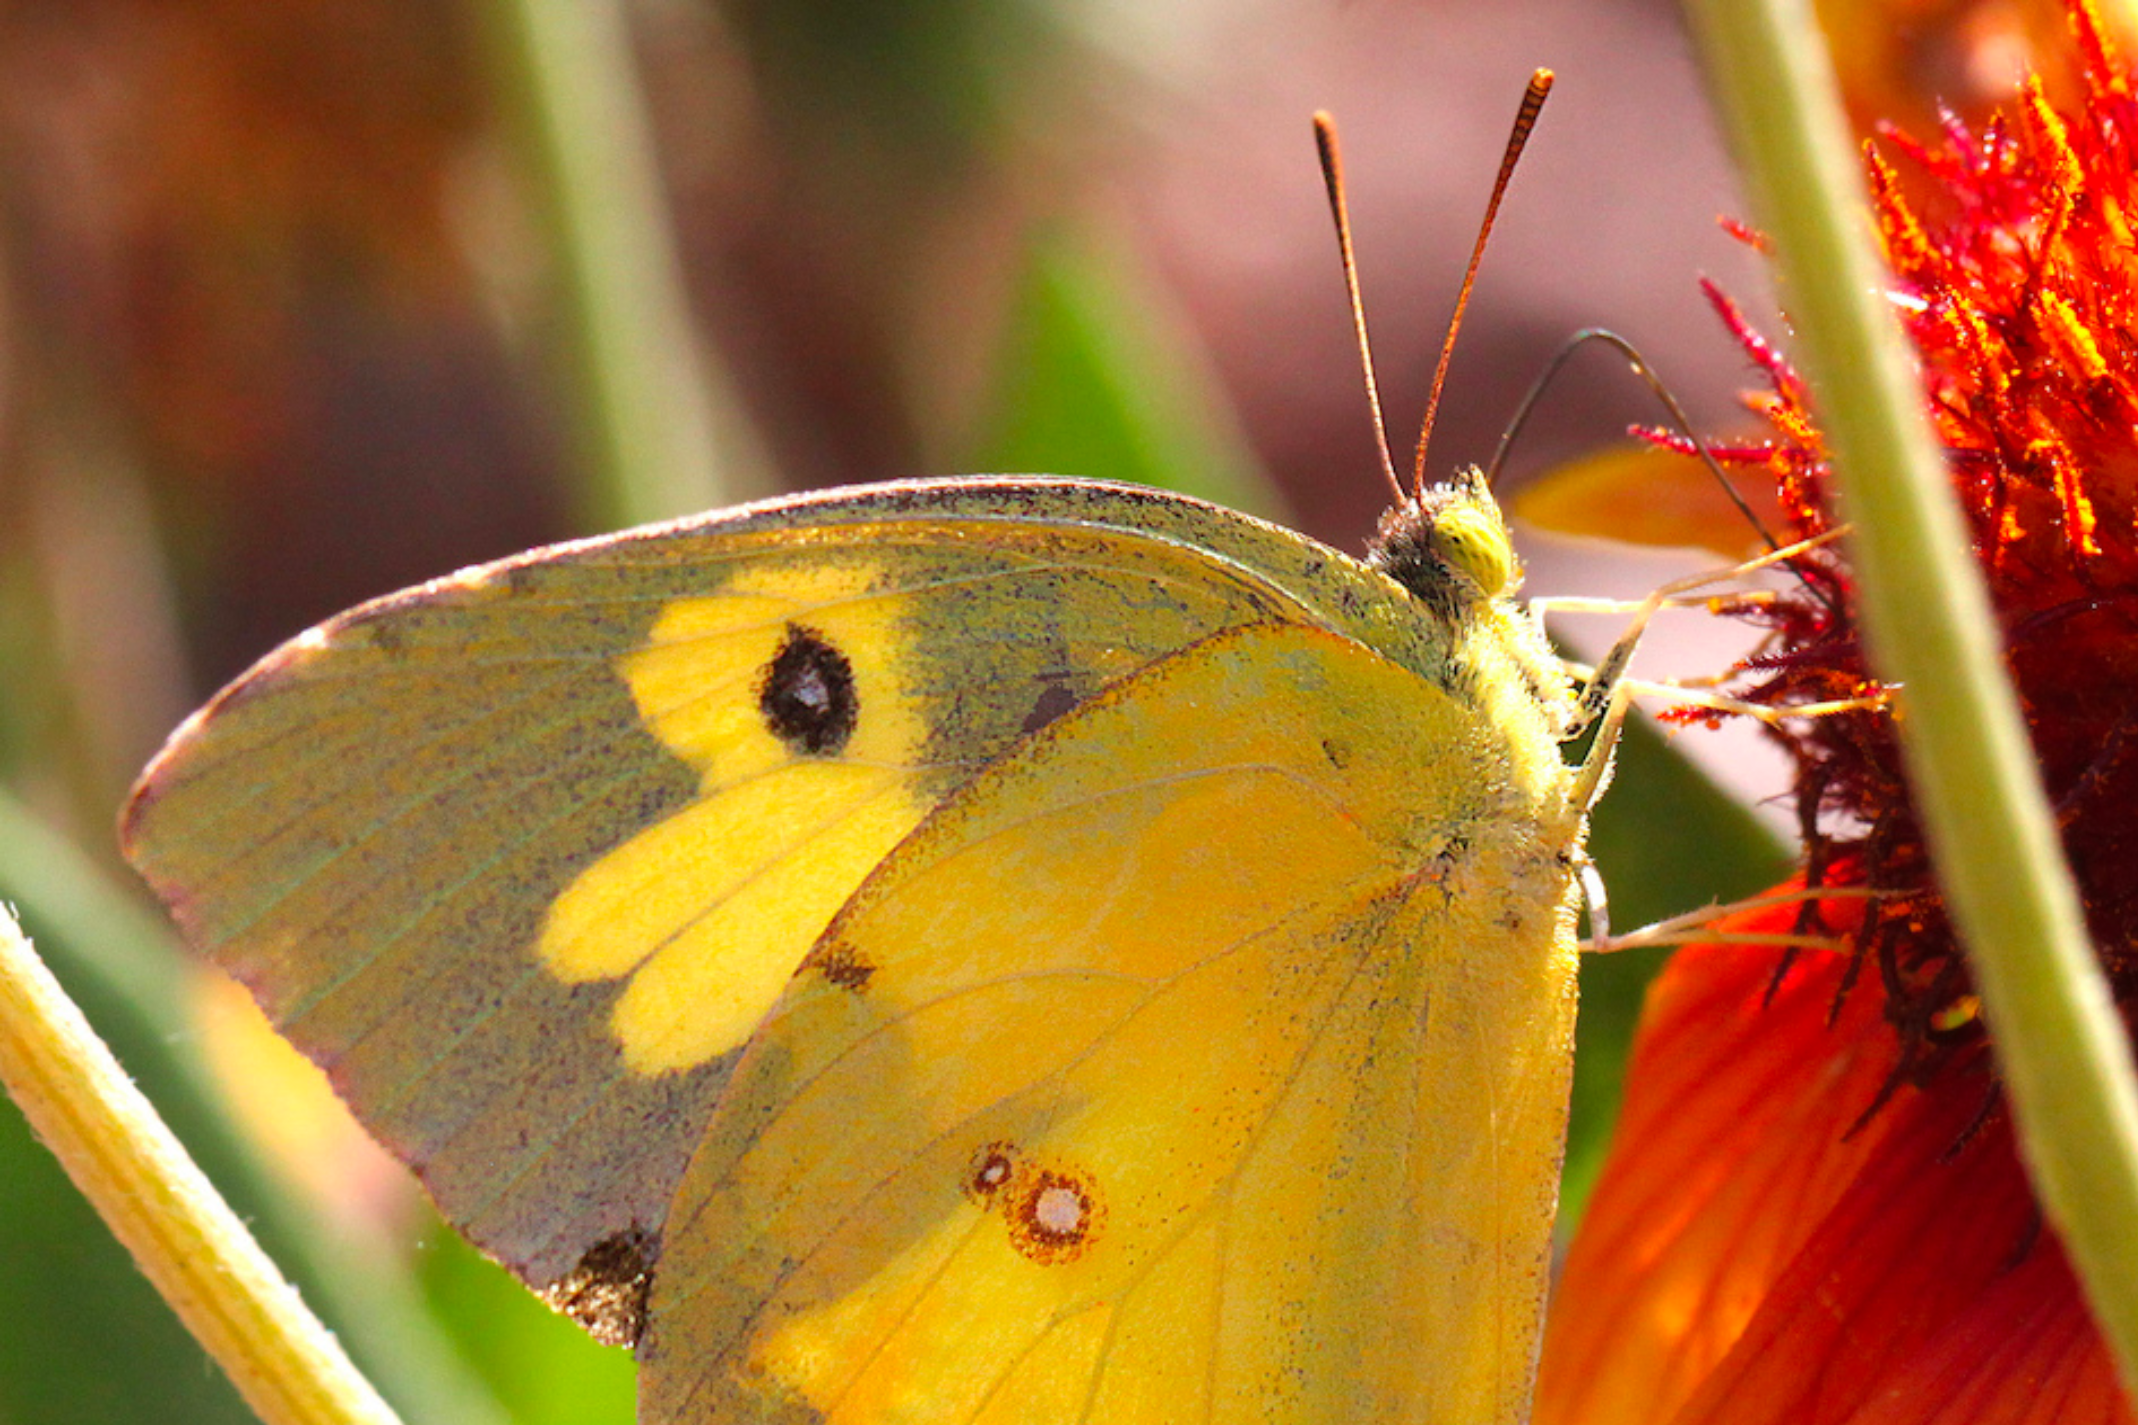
(1678, 416)
(1525, 119)
(1663, 394)
(1332, 174)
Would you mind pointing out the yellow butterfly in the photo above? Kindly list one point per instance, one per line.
(985, 950)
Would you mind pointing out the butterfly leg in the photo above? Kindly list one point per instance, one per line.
(1608, 694)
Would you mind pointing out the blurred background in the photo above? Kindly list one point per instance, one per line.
(302, 302)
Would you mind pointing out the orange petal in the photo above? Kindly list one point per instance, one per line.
(1640, 494)
(1746, 1258)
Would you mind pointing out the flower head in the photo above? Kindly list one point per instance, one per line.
(1815, 1211)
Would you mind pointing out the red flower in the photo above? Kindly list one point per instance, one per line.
(1771, 1243)
(1814, 1212)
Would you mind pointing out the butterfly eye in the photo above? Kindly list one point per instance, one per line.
(1474, 540)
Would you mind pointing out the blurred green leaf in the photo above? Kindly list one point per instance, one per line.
(1097, 378)
(914, 85)
(1665, 840)
(544, 1369)
(659, 431)
(68, 1292)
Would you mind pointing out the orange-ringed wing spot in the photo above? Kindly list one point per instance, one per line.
(1052, 1211)
(734, 1245)
(930, 1289)
(994, 1167)
(807, 695)
(1055, 1216)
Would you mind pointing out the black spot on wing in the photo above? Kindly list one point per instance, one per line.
(807, 694)
(1052, 702)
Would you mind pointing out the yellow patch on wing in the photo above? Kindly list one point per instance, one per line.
(709, 910)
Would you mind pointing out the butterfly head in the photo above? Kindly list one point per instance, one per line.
(1449, 545)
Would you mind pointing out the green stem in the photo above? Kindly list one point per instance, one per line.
(184, 1237)
(2061, 1045)
(120, 966)
(658, 434)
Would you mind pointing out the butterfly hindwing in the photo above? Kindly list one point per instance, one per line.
(1203, 1059)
